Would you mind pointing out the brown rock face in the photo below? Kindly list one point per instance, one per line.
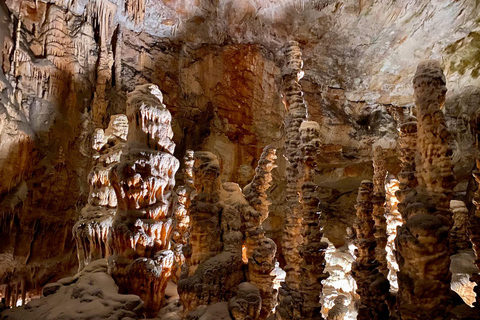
(423, 241)
(143, 180)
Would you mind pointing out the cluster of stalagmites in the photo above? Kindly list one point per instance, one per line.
(423, 241)
(225, 228)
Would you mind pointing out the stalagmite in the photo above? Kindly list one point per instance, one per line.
(292, 239)
(92, 230)
(474, 235)
(458, 235)
(213, 254)
(380, 171)
(423, 241)
(312, 249)
(372, 285)
(261, 250)
(141, 261)
(408, 180)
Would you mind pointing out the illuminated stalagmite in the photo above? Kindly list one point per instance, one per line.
(261, 250)
(423, 241)
(312, 249)
(372, 285)
(292, 239)
(458, 235)
(474, 233)
(378, 213)
(141, 261)
(93, 228)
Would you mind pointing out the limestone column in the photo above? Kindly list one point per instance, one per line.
(292, 239)
(423, 241)
(380, 171)
(141, 262)
(261, 250)
(313, 249)
(372, 285)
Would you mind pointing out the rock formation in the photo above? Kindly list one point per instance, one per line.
(378, 213)
(259, 249)
(372, 285)
(141, 261)
(93, 228)
(394, 220)
(313, 249)
(408, 180)
(458, 234)
(297, 113)
(423, 241)
(213, 254)
(90, 294)
(474, 234)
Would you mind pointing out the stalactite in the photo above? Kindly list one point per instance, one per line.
(372, 285)
(292, 239)
(261, 250)
(313, 249)
(474, 234)
(380, 171)
(92, 230)
(135, 10)
(141, 262)
(423, 241)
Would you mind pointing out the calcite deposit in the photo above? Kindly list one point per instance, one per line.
(474, 233)
(372, 286)
(94, 226)
(68, 68)
(422, 243)
(296, 108)
(141, 260)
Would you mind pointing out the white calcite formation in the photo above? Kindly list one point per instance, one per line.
(394, 220)
(289, 307)
(90, 294)
(423, 241)
(141, 260)
(92, 230)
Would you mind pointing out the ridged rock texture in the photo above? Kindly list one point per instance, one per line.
(141, 262)
(474, 234)
(458, 234)
(259, 249)
(422, 243)
(312, 249)
(372, 286)
(394, 219)
(92, 230)
(214, 249)
(292, 239)
(378, 213)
